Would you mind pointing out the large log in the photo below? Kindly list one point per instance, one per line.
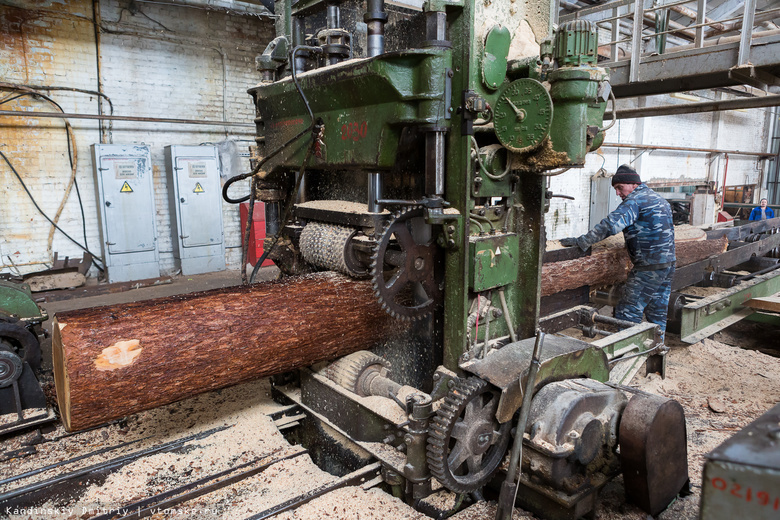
(610, 265)
(110, 362)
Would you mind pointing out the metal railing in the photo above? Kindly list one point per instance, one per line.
(626, 22)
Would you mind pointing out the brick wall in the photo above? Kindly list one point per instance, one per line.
(163, 62)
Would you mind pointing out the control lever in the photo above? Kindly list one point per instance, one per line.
(508, 495)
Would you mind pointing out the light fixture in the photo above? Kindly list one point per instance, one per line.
(686, 97)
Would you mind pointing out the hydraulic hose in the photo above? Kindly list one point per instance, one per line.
(288, 208)
(290, 141)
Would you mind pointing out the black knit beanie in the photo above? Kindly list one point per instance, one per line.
(625, 174)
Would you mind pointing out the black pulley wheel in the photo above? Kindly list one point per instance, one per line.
(15, 338)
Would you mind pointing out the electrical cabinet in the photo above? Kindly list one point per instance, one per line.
(125, 194)
(603, 199)
(194, 192)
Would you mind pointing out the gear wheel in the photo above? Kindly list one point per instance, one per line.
(403, 267)
(347, 371)
(466, 443)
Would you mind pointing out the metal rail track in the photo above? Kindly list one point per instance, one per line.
(360, 476)
(73, 483)
(69, 461)
(63, 484)
(200, 487)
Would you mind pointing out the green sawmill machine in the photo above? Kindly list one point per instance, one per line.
(412, 148)
(22, 401)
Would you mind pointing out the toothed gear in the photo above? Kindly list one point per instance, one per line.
(346, 371)
(466, 443)
(403, 267)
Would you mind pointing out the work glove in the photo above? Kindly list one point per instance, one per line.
(568, 242)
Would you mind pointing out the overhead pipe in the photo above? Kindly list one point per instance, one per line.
(693, 15)
(736, 25)
(58, 115)
(762, 155)
(720, 41)
(98, 71)
(245, 9)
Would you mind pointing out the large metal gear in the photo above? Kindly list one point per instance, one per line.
(403, 267)
(466, 443)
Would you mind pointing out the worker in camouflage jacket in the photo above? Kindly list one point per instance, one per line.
(645, 218)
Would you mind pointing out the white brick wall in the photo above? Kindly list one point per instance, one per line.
(147, 70)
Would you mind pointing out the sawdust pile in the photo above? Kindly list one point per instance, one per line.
(722, 389)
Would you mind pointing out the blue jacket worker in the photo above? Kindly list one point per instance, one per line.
(762, 212)
(645, 218)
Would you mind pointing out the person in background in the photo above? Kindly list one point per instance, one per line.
(762, 212)
(645, 218)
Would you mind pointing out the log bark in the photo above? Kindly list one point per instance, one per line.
(611, 265)
(110, 362)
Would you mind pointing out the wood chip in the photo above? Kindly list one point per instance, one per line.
(716, 404)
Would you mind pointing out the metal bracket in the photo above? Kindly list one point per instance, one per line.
(752, 76)
(443, 381)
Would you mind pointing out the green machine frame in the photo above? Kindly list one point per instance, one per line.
(418, 158)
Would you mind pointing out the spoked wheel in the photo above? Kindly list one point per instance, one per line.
(404, 267)
(466, 443)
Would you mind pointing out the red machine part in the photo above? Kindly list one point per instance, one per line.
(724, 216)
(256, 234)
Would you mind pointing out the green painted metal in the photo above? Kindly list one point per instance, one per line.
(705, 317)
(629, 344)
(466, 66)
(494, 261)
(16, 300)
(636, 339)
(576, 43)
(364, 105)
(523, 115)
(492, 178)
(575, 95)
(494, 57)
(762, 317)
(562, 358)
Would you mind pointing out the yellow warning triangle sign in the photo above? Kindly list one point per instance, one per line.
(126, 188)
(198, 188)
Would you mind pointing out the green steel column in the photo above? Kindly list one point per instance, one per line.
(457, 182)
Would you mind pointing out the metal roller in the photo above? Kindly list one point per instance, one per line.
(328, 247)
